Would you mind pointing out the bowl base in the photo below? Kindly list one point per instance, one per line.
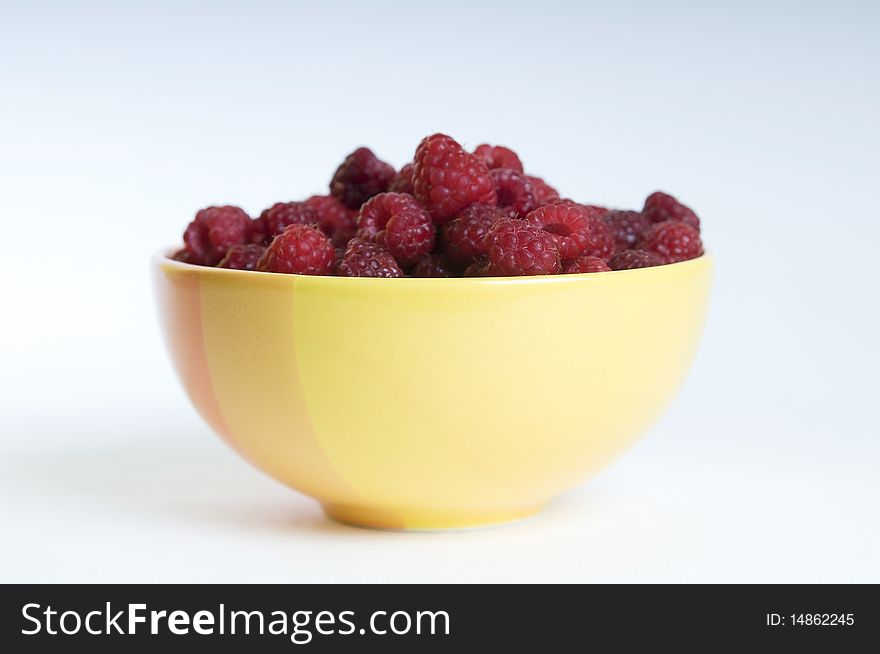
(426, 520)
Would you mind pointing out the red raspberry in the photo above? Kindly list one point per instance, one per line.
(627, 227)
(543, 191)
(446, 179)
(396, 221)
(660, 207)
(259, 231)
(576, 229)
(242, 257)
(301, 250)
(463, 238)
(585, 264)
(361, 176)
(408, 235)
(516, 247)
(376, 212)
(403, 181)
(334, 219)
(282, 214)
(365, 259)
(431, 265)
(630, 259)
(515, 193)
(497, 156)
(596, 209)
(213, 231)
(672, 241)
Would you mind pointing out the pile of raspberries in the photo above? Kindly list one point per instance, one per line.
(448, 213)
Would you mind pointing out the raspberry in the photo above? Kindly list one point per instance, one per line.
(630, 259)
(301, 250)
(515, 193)
(463, 238)
(626, 226)
(361, 176)
(242, 257)
(446, 179)
(403, 181)
(282, 214)
(408, 235)
(576, 229)
(259, 231)
(543, 191)
(365, 259)
(497, 156)
(334, 219)
(396, 221)
(516, 247)
(597, 210)
(660, 207)
(376, 212)
(585, 264)
(431, 265)
(213, 231)
(672, 241)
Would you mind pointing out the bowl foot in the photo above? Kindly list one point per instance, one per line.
(425, 519)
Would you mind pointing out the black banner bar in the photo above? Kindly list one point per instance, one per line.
(318, 618)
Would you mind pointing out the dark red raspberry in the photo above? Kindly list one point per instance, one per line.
(396, 221)
(242, 257)
(403, 181)
(361, 176)
(515, 193)
(543, 191)
(660, 207)
(596, 209)
(463, 238)
(516, 247)
(408, 235)
(334, 219)
(630, 259)
(282, 214)
(446, 179)
(497, 156)
(585, 264)
(576, 229)
(672, 241)
(627, 227)
(213, 231)
(259, 231)
(431, 265)
(301, 250)
(365, 259)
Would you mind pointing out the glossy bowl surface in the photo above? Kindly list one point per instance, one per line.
(431, 403)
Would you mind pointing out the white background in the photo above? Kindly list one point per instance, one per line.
(119, 120)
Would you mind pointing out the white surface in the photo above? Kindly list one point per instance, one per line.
(120, 121)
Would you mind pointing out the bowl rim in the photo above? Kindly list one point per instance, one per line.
(162, 258)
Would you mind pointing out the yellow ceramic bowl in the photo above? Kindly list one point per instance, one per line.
(431, 403)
